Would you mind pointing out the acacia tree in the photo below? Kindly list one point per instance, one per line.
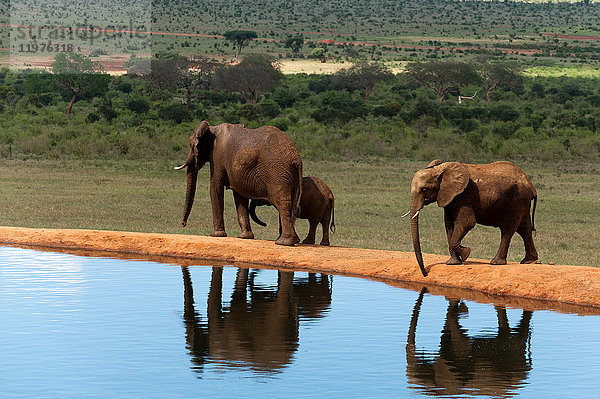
(319, 52)
(295, 43)
(240, 38)
(253, 75)
(495, 74)
(365, 75)
(75, 72)
(173, 72)
(442, 76)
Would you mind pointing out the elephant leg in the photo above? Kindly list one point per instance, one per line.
(461, 225)
(241, 205)
(288, 234)
(500, 258)
(217, 193)
(325, 225)
(526, 233)
(312, 232)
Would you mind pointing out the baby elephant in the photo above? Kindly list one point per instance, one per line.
(316, 205)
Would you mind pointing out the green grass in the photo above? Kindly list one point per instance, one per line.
(370, 198)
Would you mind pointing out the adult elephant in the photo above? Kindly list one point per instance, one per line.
(498, 194)
(261, 164)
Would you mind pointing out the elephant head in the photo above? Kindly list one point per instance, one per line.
(440, 182)
(201, 144)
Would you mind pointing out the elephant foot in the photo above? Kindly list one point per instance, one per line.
(246, 234)
(218, 233)
(529, 259)
(308, 241)
(288, 241)
(463, 253)
(326, 243)
(453, 261)
(498, 261)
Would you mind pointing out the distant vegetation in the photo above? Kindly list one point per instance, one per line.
(328, 116)
(542, 32)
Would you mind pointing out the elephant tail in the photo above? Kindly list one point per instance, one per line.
(332, 227)
(533, 215)
(252, 213)
(298, 192)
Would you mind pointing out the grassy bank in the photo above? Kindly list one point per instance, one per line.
(370, 198)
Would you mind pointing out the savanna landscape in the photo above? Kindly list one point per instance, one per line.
(362, 89)
(117, 116)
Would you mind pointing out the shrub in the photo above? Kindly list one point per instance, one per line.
(175, 112)
(270, 108)
(139, 105)
(503, 112)
(389, 110)
(92, 117)
(249, 111)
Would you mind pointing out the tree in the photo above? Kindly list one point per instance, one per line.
(240, 38)
(442, 76)
(319, 52)
(495, 74)
(295, 43)
(75, 72)
(173, 72)
(366, 75)
(253, 75)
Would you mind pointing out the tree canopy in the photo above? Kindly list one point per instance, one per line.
(240, 38)
(442, 76)
(75, 72)
(366, 75)
(253, 75)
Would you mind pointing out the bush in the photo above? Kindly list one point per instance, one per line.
(338, 106)
(281, 123)
(249, 112)
(92, 117)
(503, 112)
(175, 112)
(389, 110)
(139, 105)
(270, 108)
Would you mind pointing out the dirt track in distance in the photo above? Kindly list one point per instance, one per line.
(574, 285)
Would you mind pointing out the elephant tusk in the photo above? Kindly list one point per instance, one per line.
(406, 214)
(416, 214)
(180, 167)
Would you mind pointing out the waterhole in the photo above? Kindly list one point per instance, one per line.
(96, 326)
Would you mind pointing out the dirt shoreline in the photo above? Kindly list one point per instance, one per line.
(569, 287)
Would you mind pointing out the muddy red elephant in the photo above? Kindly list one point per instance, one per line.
(261, 164)
(498, 194)
(316, 205)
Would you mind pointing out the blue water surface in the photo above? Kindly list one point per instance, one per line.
(99, 327)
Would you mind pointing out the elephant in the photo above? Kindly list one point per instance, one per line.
(260, 327)
(316, 205)
(498, 194)
(490, 364)
(258, 163)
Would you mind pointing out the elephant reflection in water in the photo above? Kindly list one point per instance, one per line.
(260, 333)
(491, 365)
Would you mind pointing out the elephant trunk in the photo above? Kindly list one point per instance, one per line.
(192, 177)
(414, 229)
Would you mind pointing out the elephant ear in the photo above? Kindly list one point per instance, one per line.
(202, 142)
(454, 180)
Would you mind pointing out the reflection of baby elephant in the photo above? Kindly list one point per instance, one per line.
(492, 365)
(316, 205)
